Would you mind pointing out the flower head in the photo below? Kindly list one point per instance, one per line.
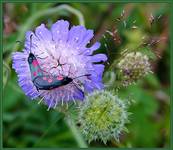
(62, 52)
(103, 116)
(134, 66)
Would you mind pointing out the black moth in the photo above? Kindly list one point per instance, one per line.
(47, 82)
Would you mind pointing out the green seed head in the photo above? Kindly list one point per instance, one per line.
(134, 66)
(103, 116)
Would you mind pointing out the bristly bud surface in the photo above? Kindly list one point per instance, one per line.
(103, 116)
(133, 66)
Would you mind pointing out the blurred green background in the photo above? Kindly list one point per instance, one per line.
(27, 124)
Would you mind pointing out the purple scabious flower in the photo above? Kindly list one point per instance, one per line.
(61, 51)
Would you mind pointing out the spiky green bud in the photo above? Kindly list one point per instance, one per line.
(134, 66)
(103, 116)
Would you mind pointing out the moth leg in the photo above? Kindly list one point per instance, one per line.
(37, 89)
(77, 86)
(41, 57)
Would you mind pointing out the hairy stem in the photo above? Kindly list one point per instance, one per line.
(78, 137)
(7, 72)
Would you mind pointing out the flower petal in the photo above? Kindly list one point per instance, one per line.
(89, 51)
(88, 86)
(98, 58)
(76, 35)
(28, 41)
(43, 33)
(88, 36)
(56, 51)
(60, 30)
(78, 95)
(99, 68)
(95, 46)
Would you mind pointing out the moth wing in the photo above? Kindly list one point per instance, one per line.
(46, 82)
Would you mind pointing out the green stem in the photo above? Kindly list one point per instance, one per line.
(8, 72)
(77, 135)
(49, 11)
(48, 129)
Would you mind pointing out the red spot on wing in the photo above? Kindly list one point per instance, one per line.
(49, 80)
(59, 78)
(34, 74)
(35, 63)
(44, 78)
(39, 70)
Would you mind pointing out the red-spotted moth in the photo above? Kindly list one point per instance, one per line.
(46, 82)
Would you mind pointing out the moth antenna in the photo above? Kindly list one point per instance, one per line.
(77, 86)
(41, 57)
(82, 76)
(38, 56)
(30, 42)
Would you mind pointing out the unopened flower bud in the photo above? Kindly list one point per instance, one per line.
(134, 66)
(103, 116)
